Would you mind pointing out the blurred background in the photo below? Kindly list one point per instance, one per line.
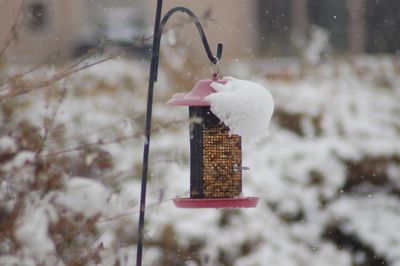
(249, 29)
(73, 81)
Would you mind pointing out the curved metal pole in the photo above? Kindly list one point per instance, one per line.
(158, 30)
(203, 37)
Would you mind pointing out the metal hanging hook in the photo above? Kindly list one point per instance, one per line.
(196, 21)
(214, 68)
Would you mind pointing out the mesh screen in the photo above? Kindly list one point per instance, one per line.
(222, 161)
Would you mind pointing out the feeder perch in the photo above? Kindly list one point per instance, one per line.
(215, 155)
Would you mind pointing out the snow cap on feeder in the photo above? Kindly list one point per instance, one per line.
(215, 154)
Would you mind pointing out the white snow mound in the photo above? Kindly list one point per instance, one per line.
(244, 106)
(86, 196)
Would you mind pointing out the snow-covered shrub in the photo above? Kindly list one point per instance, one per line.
(59, 193)
(70, 160)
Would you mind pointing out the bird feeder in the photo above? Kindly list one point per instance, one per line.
(215, 155)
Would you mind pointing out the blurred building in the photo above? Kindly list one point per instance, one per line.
(352, 26)
(48, 27)
(64, 29)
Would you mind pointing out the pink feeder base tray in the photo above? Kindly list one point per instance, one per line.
(217, 203)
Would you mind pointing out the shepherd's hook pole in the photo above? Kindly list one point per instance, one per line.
(158, 30)
(154, 57)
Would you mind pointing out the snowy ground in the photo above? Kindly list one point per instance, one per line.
(328, 176)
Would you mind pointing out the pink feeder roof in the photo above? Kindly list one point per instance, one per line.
(196, 96)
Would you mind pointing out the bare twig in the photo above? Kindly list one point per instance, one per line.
(112, 141)
(7, 84)
(14, 90)
(24, 88)
(106, 128)
(15, 28)
(126, 214)
(49, 121)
